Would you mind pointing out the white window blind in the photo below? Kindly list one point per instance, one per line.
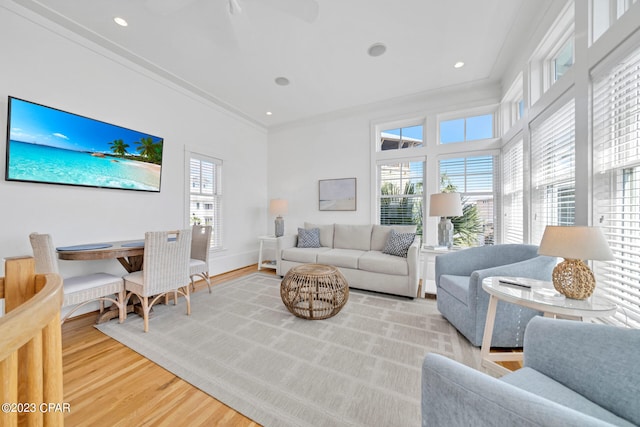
(473, 178)
(553, 171)
(616, 118)
(205, 195)
(513, 192)
(400, 194)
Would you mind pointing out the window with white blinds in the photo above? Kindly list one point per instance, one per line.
(553, 171)
(401, 192)
(616, 120)
(513, 192)
(473, 178)
(205, 195)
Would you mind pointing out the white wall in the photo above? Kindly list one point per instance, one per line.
(44, 63)
(340, 145)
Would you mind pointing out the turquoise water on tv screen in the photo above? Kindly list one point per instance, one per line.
(42, 163)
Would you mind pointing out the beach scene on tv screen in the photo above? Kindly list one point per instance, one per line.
(53, 146)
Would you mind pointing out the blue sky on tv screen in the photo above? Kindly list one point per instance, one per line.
(38, 124)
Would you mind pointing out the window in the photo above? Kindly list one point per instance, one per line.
(513, 193)
(466, 129)
(616, 140)
(604, 14)
(205, 195)
(563, 60)
(401, 192)
(553, 171)
(473, 178)
(512, 105)
(554, 55)
(407, 137)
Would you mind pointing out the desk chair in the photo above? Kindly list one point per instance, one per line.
(199, 262)
(78, 290)
(166, 269)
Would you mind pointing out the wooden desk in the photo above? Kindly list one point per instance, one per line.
(129, 256)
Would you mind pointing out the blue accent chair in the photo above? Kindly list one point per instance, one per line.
(463, 302)
(575, 374)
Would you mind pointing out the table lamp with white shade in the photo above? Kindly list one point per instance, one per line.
(445, 205)
(572, 277)
(279, 207)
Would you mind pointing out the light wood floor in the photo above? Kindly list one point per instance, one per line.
(108, 384)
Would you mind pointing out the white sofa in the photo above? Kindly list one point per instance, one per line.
(356, 250)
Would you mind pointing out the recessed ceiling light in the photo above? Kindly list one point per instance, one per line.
(282, 81)
(120, 21)
(269, 113)
(377, 49)
(458, 64)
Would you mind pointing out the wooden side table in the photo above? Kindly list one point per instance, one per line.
(532, 298)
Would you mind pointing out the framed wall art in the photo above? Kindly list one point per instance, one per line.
(337, 194)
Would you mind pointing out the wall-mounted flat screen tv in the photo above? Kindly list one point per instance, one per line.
(52, 146)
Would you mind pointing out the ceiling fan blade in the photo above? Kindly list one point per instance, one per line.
(306, 10)
(166, 7)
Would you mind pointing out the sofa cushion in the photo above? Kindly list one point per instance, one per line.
(377, 262)
(537, 383)
(380, 234)
(305, 255)
(347, 258)
(457, 286)
(352, 237)
(398, 243)
(308, 238)
(326, 233)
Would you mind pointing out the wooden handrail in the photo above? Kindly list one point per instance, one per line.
(31, 347)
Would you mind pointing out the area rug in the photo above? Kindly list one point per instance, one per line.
(240, 345)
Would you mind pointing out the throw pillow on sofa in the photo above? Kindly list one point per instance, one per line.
(398, 243)
(309, 238)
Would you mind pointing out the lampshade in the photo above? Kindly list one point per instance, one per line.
(278, 207)
(572, 277)
(445, 204)
(575, 242)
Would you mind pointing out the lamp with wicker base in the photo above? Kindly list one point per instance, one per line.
(572, 277)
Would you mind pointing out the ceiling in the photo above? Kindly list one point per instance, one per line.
(234, 59)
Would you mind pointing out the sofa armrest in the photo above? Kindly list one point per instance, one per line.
(539, 268)
(594, 360)
(413, 261)
(282, 243)
(457, 395)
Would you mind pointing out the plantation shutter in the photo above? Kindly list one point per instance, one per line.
(616, 120)
(206, 195)
(513, 192)
(553, 171)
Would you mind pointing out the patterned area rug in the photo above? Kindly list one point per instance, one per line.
(361, 367)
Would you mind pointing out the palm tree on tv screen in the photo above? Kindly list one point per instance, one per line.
(119, 147)
(152, 151)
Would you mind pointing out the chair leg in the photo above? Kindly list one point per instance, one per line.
(208, 280)
(145, 313)
(122, 308)
(187, 297)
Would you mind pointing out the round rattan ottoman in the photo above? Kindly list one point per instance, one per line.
(314, 291)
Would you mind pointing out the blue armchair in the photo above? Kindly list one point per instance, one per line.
(575, 374)
(463, 302)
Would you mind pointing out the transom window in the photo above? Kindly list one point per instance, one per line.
(466, 129)
(563, 60)
(399, 138)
